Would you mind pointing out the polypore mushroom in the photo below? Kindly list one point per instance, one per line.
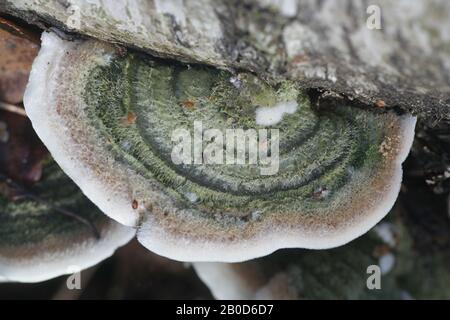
(339, 273)
(38, 242)
(354, 271)
(109, 119)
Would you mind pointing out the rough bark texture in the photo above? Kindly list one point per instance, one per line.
(324, 44)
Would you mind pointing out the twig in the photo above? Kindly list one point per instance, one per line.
(26, 194)
(12, 108)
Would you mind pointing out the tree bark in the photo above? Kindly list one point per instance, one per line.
(324, 44)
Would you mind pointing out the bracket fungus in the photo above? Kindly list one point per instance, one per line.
(40, 243)
(293, 274)
(354, 271)
(108, 119)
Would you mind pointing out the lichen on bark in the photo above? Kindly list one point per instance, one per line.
(322, 44)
